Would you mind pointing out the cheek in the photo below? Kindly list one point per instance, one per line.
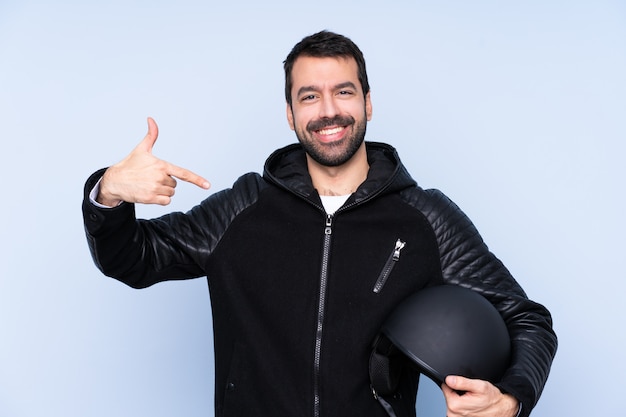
(358, 110)
(300, 119)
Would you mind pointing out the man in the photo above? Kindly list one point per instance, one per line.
(299, 261)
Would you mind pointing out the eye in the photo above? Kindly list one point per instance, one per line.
(345, 92)
(307, 97)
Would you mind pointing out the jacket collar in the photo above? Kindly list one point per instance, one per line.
(287, 168)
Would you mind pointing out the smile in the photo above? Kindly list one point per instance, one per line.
(332, 131)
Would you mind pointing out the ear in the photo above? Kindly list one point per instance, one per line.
(290, 117)
(368, 106)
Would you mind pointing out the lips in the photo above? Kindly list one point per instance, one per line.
(330, 129)
(331, 134)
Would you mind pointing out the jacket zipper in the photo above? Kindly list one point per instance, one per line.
(324, 275)
(391, 262)
(321, 307)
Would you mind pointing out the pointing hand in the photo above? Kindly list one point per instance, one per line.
(143, 178)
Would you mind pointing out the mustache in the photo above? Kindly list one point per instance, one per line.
(320, 124)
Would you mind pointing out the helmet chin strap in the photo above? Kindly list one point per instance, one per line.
(384, 371)
(386, 406)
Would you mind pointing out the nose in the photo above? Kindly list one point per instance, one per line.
(328, 108)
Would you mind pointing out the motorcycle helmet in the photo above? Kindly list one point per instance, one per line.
(442, 330)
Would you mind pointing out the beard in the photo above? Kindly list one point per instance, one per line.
(335, 153)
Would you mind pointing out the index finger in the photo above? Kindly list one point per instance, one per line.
(188, 176)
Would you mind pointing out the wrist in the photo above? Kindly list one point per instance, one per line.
(100, 198)
(103, 196)
(513, 405)
(107, 200)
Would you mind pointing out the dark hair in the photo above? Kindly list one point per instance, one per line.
(325, 44)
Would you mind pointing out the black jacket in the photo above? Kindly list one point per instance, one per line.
(292, 288)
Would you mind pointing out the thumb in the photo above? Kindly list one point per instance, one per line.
(148, 141)
(461, 384)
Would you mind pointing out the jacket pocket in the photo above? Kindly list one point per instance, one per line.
(233, 389)
(393, 259)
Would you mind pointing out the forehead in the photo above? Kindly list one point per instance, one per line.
(315, 71)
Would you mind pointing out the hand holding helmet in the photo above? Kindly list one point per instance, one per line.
(453, 335)
(479, 398)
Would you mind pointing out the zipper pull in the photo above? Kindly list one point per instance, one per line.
(391, 261)
(399, 246)
(329, 223)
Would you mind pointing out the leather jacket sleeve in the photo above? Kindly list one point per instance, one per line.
(466, 261)
(141, 253)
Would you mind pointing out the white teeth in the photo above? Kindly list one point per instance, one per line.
(330, 131)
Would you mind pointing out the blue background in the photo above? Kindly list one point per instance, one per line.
(516, 110)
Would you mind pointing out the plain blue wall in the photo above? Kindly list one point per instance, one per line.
(516, 110)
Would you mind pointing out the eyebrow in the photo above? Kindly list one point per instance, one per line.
(312, 88)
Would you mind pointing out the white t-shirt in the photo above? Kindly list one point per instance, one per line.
(332, 202)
